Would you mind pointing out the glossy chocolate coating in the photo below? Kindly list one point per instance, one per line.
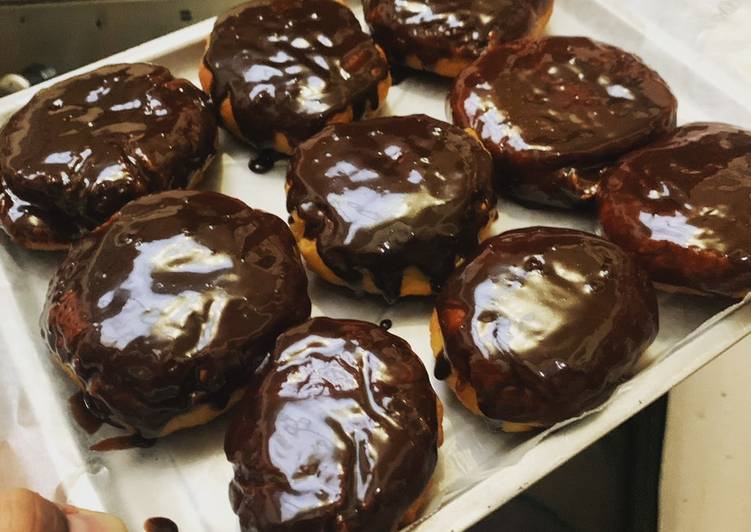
(545, 322)
(173, 304)
(445, 29)
(380, 195)
(683, 206)
(341, 433)
(83, 416)
(290, 66)
(554, 112)
(84, 147)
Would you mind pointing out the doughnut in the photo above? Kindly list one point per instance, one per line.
(162, 315)
(542, 325)
(84, 147)
(340, 432)
(683, 206)
(554, 112)
(391, 205)
(280, 70)
(445, 36)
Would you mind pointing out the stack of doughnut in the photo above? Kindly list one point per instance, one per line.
(172, 305)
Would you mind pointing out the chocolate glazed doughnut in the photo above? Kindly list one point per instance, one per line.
(341, 433)
(445, 36)
(162, 315)
(554, 112)
(84, 147)
(683, 206)
(390, 205)
(282, 69)
(542, 325)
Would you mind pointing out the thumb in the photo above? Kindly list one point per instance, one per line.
(22, 510)
(80, 520)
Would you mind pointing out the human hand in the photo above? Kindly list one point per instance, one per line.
(22, 510)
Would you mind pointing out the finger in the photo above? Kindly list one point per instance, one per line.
(87, 521)
(22, 510)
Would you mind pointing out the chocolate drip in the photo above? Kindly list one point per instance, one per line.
(384, 194)
(341, 433)
(554, 112)
(399, 73)
(442, 368)
(264, 161)
(545, 322)
(159, 524)
(446, 29)
(173, 304)
(683, 206)
(385, 324)
(83, 148)
(81, 413)
(290, 66)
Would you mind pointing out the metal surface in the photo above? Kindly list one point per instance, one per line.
(67, 34)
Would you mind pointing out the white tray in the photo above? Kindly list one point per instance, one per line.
(185, 476)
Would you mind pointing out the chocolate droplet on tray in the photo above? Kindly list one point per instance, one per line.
(264, 161)
(160, 524)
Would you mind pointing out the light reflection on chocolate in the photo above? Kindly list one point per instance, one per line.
(380, 195)
(445, 29)
(289, 66)
(555, 112)
(340, 433)
(543, 323)
(683, 206)
(172, 305)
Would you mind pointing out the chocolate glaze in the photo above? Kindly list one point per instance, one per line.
(341, 433)
(380, 195)
(83, 416)
(399, 73)
(683, 206)
(290, 66)
(159, 524)
(554, 112)
(172, 305)
(443, 29)
(545, 322)
(442, 368)
(82, 148)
